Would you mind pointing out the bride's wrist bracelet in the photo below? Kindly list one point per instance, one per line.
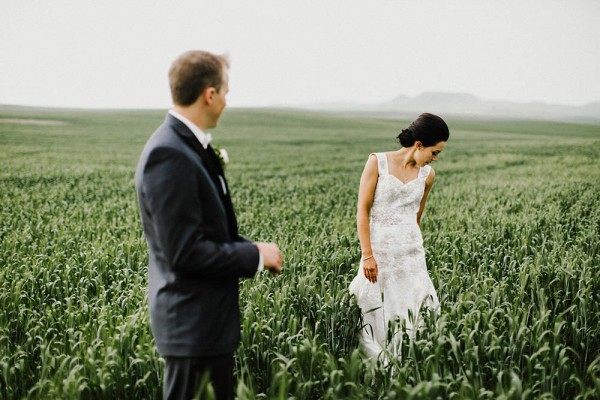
(365, 259)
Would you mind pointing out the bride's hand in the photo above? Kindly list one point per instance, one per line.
(370, 269)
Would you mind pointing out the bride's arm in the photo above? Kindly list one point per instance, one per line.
(366, 193)
(428, 185)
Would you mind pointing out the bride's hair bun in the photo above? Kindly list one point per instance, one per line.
(428, 129)
(406, 138)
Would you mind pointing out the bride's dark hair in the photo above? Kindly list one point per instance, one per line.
(428, 129)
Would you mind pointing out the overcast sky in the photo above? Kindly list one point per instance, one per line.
(116, 53)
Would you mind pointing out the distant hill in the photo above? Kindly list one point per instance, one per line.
(444, 104)
(464, 104)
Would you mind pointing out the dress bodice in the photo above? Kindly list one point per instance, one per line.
(394, 200)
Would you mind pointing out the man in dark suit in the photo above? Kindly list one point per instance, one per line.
(196, 255)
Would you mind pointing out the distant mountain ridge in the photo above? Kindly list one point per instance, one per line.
(464, 104)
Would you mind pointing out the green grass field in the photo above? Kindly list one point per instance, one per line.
(511, 230)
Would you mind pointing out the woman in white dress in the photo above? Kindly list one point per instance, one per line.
(392, 284)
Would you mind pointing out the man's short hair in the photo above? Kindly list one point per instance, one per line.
(193, 72)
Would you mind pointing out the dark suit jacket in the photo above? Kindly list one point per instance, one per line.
(196, 255)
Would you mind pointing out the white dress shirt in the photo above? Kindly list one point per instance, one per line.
(205, 139)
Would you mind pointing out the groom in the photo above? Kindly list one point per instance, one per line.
(196, 255)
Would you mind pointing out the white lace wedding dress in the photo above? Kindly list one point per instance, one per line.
(403, 283)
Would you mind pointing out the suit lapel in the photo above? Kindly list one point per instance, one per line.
(214, 168)
(225, 194)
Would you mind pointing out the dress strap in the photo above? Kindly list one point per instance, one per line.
(424, 171)
(382, 164)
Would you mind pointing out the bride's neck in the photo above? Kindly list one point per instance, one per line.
(405, 157)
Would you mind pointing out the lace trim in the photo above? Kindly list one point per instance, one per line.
(394, 219)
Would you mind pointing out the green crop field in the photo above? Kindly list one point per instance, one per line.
(511, 230)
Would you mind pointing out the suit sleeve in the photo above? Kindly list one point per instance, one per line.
(171, 195)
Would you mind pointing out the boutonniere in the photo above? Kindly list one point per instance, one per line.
(222, 154)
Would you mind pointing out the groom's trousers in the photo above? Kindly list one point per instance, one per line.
(183, 376)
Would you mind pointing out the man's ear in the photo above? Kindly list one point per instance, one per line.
(208, 95)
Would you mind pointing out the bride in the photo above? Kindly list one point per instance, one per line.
(392, 283)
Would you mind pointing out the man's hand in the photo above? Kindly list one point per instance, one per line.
(272, 257)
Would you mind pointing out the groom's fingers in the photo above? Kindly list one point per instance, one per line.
(272, 257)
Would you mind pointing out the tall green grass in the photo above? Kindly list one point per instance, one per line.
(511, 230)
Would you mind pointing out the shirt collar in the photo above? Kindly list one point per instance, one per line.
(203, 138)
